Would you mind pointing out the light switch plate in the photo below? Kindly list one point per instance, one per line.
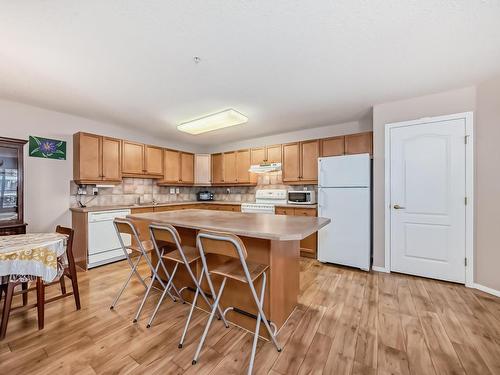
(177, 190)
(172, 190)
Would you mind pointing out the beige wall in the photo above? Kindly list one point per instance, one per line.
(445, 103)
(47, 181)
(312, 133)
(487, 207)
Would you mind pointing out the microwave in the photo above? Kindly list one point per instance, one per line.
(301, 197)
(205, 196)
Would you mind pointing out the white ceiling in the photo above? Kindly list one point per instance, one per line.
(285, 64)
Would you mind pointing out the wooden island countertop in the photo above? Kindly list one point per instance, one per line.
(272, 240)
(271, 227)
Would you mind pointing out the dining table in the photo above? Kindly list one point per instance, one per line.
(24, 257)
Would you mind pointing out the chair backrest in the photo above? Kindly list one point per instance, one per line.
(126, 226)
(221, 243)
(164, 233)
(69, 242)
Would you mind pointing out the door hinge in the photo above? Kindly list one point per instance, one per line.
(465, 201)
(466, 139)
(465, 262)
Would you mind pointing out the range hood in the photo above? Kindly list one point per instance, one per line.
(265, 168)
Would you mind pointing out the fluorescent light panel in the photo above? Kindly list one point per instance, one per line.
(219, 120)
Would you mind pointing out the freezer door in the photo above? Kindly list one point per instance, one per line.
(344, 171)
(346, 240)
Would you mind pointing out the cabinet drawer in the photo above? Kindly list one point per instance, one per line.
(305, 212)
(284, 211)
(164, 208)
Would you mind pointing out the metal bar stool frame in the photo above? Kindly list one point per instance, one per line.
(173, 234)
(241, 255)
(129, 228)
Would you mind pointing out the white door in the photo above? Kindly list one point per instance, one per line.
(427, 182)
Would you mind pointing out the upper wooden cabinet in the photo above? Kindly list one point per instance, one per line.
(257, 155)
(334, 146)
(309, 153)
(230, 169)
(268, 154)
(140, 160)
(172, 166)
(242, 166)
(202, 169)
(153, 160)
(300, 161)
(187, 168)
(359, 143)
(273, 154)
(111, 155)
(133, 158)
(96, 158)
(178, 167)
(217, 169)
(291, 162)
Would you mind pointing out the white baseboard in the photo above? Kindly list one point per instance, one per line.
(380, 269)
(485, 289)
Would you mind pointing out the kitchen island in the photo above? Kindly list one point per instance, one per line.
(273, 240)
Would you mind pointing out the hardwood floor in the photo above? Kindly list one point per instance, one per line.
(347, 322)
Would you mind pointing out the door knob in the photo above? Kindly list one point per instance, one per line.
(398, 207)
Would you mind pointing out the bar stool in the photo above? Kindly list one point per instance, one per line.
(182, 254)
(235, 268)
(139, 249)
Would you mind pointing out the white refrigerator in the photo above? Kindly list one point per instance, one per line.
(344, 196)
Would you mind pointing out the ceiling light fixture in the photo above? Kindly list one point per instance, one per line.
(215, 121)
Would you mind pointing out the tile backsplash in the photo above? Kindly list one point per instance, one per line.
(132, 189)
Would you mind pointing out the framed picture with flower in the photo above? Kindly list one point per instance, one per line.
(47, 148)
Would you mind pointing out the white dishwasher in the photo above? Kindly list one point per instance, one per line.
(103, 244)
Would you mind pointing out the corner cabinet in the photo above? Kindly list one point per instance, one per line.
(232, 168)
(96, 159)
(178, 168)
(11, 186)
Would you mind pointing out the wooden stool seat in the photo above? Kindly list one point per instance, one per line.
(232, 269)
(191, 253)
(147, 246)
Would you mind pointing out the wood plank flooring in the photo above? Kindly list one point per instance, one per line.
(347, 322)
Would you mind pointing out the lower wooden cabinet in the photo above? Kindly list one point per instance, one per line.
(309, 245)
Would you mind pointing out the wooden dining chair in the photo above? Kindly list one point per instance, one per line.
(69, 272)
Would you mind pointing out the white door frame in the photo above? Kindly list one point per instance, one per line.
(469, 187)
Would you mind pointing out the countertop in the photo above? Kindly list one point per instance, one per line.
(271, 227)
(150, 205)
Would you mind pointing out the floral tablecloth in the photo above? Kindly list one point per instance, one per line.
(24, 257)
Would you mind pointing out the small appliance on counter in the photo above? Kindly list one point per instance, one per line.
(204, 196)
(301, 197)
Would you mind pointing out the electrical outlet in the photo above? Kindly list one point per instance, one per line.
(172, 190)
(82, 190)
(95, 191)
(177, 190)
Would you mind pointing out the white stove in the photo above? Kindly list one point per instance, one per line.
(265, 201)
